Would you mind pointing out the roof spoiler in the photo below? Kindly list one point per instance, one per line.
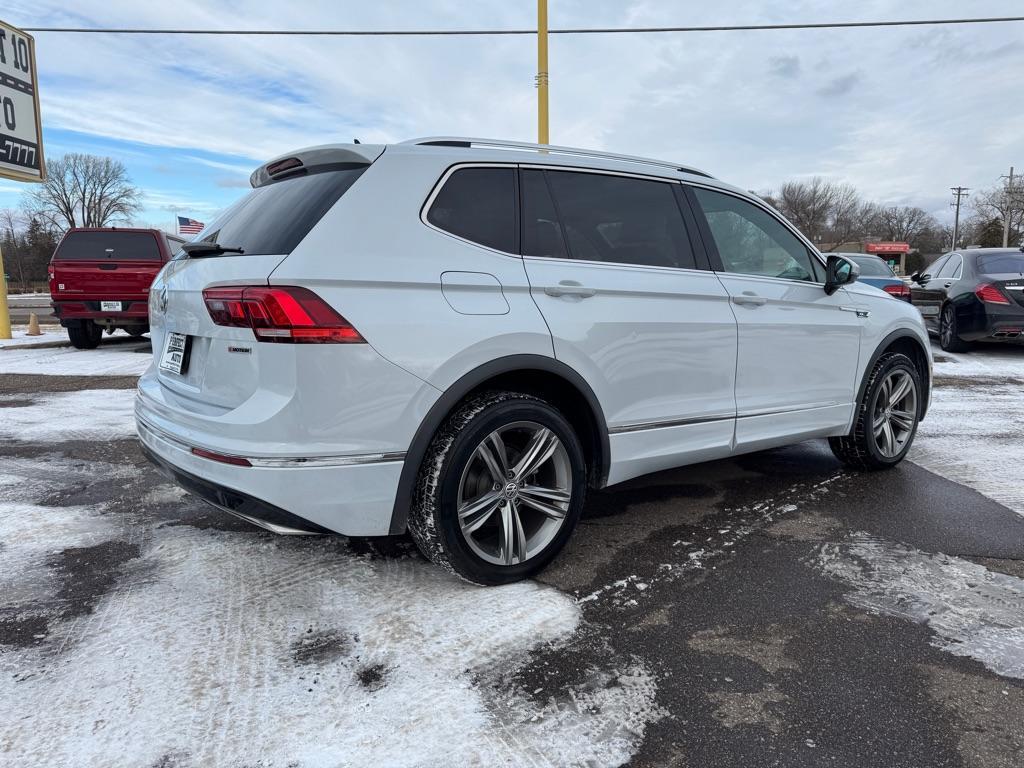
(312, 158)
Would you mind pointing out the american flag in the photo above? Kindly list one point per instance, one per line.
(189, 226)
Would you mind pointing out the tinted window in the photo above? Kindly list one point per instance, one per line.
(542, 234)
(950, 268)
(933, 269)
(620, 219)
(479, 204)
(1001, 263)
(274, 218)
(78, 246)
(751, 241)
(872, 267)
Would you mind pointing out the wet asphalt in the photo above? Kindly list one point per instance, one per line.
(709, 577)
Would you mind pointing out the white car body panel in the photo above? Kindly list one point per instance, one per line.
(679, 371)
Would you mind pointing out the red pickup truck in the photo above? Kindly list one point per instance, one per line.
(100, 277)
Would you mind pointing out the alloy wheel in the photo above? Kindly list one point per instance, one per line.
(895, 413)
(514, 493)
(946, 327)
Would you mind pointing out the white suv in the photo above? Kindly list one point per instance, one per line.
(458, 337)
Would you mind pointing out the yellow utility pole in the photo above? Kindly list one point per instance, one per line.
(542, 72)
(5, 317)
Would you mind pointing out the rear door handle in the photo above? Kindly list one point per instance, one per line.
(749, 301)
(569, 288)
(946, 285)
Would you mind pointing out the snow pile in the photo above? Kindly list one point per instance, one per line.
(972, 431)
(89, 414)
(201, 647)
(21, 338)
(106, 360)
(974, 612)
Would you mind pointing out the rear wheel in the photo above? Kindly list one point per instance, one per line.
(887, 416)
(949, 340)
(136, 330)
(84, 334)
(500, 490)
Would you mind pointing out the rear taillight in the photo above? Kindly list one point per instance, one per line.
(283, 314)
(900, 291)
(990, 294)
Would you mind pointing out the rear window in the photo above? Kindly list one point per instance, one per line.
(123, 246)
(1001, 263)
(873, 267)
(479, 204)
(273, 219)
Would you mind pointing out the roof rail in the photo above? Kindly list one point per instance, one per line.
(463, 141)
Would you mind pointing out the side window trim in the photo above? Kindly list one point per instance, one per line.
(439, 185)
(700, 252)
(712, 248)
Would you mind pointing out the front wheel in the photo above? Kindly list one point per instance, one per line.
(500, 490)
(887, 416)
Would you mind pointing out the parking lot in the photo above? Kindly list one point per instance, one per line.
(775, 609)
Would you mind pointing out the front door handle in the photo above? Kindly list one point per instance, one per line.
(749, 301)
(946, 285)
(569, 288)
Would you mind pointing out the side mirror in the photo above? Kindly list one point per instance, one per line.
(916, 277)
(839, 271)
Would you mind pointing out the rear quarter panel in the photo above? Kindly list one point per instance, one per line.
(379, 265)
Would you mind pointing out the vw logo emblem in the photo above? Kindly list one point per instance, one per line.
(162, 300)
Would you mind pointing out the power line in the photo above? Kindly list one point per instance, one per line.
(481, 32)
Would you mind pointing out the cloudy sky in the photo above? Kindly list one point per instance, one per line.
(901, 113)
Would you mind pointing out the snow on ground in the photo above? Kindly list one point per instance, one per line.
(88, 414)
(241, 648)
(974, 612)
(106, 360)
(972, 433)
(20, 337)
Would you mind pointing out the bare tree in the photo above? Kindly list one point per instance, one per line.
(808, 204)
(903, 223)
(83, 191)
(850, 217)
(1003, 204)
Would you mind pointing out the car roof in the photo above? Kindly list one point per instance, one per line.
(458, 149)
(114, 229)
(984, 251)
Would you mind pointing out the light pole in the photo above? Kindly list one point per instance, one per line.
(542, 72)
(960, 193)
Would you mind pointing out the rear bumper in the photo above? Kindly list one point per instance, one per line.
(136, 311)
(353, 499)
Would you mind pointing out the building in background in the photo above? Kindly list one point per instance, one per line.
(895, 253)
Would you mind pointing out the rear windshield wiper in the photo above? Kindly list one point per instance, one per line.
(209, 249)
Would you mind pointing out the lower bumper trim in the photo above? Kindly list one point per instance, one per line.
(240, 504)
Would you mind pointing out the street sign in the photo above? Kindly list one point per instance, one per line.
(21, 131)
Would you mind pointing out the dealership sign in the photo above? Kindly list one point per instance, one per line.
(21, 132)
(887, 247)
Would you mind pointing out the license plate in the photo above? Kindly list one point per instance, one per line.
(175, 357)
(110, 306)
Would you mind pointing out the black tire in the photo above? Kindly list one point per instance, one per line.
(85, 335)
(433, 518)
(949, 339)
(136, 330)
(860, 448)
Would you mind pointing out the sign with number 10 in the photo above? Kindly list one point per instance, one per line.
(21, 131)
